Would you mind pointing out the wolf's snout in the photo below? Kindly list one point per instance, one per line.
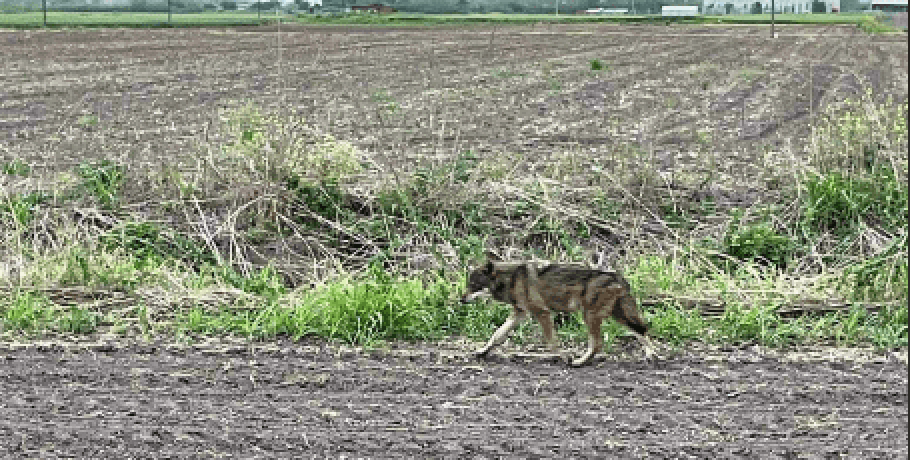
(470, 296)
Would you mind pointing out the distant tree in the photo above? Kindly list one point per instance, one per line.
(229, 5)
(588, 4)
(464, 6)
(270, 5)
(515, 7)
(851, 6)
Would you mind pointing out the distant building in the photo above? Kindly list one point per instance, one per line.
(374, 8)
(681, 11)
(604, 11)
(890, 6)
(780, 6)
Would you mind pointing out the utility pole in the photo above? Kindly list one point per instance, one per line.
(772, 18)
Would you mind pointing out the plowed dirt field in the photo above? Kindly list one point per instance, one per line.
(119, 400)
(409, 96)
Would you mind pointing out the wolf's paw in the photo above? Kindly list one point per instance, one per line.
(653, 359)
(483, 353)
(584, 360)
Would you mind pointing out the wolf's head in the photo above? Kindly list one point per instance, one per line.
(480, 280)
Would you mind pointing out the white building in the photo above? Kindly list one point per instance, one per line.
(680, 11)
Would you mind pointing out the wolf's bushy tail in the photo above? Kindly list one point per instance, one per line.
(627, 312)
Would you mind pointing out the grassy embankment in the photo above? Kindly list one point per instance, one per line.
(390, 252)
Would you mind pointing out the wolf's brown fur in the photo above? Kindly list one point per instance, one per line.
(540, 291)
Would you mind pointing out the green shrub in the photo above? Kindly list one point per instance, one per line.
(324, 197)
(757, 243)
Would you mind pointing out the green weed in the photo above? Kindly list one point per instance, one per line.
(323, 198)
(385, 101)
(88, 120)
(16, 168)
(264, 282)
(77, 321)
(21, 209)
(150, 245)
(883, 275)
(103, 181)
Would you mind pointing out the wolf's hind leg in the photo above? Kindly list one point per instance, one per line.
(595, 338)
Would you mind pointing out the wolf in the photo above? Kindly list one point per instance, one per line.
(561, 287)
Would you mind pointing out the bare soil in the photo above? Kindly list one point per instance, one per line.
(102, 399)
(525, 92)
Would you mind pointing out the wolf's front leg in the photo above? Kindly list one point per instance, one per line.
(500, 335)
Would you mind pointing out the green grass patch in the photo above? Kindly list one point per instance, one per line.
(379, 308)
(839, 203)
(363, 312)
(873, 25)
(33, 315)
(367, 312)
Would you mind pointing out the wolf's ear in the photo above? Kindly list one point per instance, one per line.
(492, 257)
